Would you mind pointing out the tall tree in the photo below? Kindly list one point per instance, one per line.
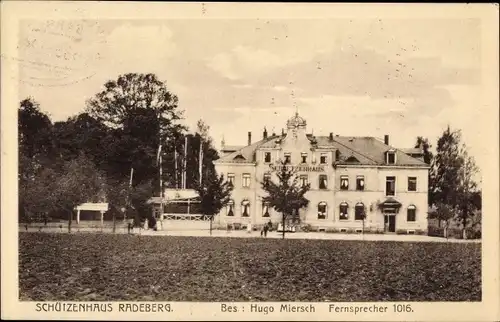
(34, 128)
(286, 195)
(80, 133)
(144, 114)
(35, 198)
(132, 91)
(35, 147)
(446, 168)
(423, 144)
(214, 193)
(469, 191)
(452, 184)
(78, 182)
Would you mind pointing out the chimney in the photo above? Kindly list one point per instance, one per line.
(331, 136)
(249, 138)
(282, 131)
(386, 139)
(264, 135)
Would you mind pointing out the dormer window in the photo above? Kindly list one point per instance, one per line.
(391, 157)
(267, 157)
(322, 158)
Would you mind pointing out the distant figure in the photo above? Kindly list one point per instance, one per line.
(129, 227)
(266, 228)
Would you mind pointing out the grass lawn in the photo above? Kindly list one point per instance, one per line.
(126, 267)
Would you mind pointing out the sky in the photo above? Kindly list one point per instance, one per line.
(350, 76)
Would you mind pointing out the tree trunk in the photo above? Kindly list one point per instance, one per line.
(283, 237)
(70, 220)
(114, 222)
(464, 224)
(211, 218)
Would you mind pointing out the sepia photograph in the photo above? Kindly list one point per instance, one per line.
(250, 160)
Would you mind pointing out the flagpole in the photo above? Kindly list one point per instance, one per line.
(175, 166)
(201, 161)
(127, 203)
(185, 162)
(161, 191)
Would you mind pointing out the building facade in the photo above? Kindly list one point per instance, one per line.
(348, 177)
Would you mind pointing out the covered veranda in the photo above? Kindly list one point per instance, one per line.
(100, 207)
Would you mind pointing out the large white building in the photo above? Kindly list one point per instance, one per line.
(347, 175)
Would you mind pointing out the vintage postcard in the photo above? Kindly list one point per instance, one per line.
(245, 161)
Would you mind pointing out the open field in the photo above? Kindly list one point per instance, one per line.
(175, 268)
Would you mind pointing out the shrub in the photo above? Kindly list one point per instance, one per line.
(435, 231)
(305, 228)
(473, 233)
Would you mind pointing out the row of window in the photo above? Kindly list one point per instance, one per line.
(390, 186)
(322, 207)
(390, 157)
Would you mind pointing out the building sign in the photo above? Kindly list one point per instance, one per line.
(298, 168)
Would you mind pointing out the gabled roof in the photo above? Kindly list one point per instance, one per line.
(366, 150)
(247, 153)
(390, 202)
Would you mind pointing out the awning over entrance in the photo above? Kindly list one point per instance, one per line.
(390, 205)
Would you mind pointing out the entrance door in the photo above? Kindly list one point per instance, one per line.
(392, 224)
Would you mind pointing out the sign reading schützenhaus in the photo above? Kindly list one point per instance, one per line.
(298, 168)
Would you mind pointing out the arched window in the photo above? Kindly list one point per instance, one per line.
(411, 214)
(359, 211)
(245, 208)
(230, 208)
(322, 210)
(343, 211)
(265, 209)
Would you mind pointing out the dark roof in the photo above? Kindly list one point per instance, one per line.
(366, 150)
